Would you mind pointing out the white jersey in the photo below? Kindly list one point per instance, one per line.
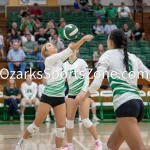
(55, 86)
(41, 88)
(124, 84)
(77, 76)
(29, 91)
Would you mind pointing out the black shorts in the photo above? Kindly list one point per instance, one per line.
(52, 101)
(132, 108)
(72, 96)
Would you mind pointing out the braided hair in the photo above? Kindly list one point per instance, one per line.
(120, 42)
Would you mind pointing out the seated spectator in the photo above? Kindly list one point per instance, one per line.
(15, 27)
(16, 58)
(95, 4)
(41, 38)
(98, 53)
(24, 11)
(76, 6)
(26, 24)
(40, 62)
(2, 44)
(83, 5)
(30, 47)
(51, 33)
(109, 27)
(140, 5)
(53, 21)
(36, 12)
(29, 92)
(37, 25)
(138, 33)
(124, 11)
(98, 28)
(14, 37)
(127, 31)
(60, 21)
(40, 91)
(61, 30)
(100, 12)
(12, 97)
(111, 11)
(27, 17)
(50, 26)
(57, 42)
(24, 38)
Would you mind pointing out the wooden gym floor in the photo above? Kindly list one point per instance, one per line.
(44, 139)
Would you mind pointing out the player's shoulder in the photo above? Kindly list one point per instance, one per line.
(81, 60)
(23, 83)
(34, 83)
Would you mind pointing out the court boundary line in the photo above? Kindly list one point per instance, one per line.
(79, 143)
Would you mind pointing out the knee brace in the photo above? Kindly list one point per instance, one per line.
(32, 128)
(60, 132)
(87, 123)
(23, 103)
(70, 124)
(37, 102)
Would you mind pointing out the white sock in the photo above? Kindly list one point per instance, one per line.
(94, 115)
(59, 148)
(97, 140)
(70, 144)
(22, 140)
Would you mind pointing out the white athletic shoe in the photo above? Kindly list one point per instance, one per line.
(19, 146)
(48, 119)
(22, 118)
(98, 145)
(67, 147)
(95, 119)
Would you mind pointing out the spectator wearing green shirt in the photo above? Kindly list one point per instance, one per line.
(111, 11)
(12, 97)
(95, 4)
(26, 24)
(61, 29)
(100, 12)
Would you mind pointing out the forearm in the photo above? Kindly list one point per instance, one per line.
(6, 97)
(18, 96)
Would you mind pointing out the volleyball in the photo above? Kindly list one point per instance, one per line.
(71, 32)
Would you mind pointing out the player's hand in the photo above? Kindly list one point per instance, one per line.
(88, 38)
(80, 98)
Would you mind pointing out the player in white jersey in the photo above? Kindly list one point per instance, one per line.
(123, 70)
(41, 88)
(54, 94)
(29, 92)
(78, 82)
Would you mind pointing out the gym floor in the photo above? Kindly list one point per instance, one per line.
(44, 138)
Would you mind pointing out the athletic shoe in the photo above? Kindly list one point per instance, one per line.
(22, 118)
(67, 147)
(47, 119)
(95, 119)
(19, 146)
(98, 145)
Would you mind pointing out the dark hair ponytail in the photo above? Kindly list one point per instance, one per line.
(120, 41)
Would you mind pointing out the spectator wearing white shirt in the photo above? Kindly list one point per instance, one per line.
(40, 91)
(124, 11)
(109, 27)
(98, 28)
(29, 92)
(2, 44)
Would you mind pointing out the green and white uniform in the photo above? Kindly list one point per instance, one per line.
(54, 74)
(77, 76)
(124, 87)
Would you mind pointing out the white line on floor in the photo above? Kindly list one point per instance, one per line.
(80, 144)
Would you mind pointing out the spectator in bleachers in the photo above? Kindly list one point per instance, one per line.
(16, 58)
(30, 47)
(50, 26)
(76, 6)
(60, 21)
(83, 5)
(12, 97)
(40, 62)
(111, 11)
(98, 28)
(95, 4)
(109, 27)
(27, 17)
(24, 38)
(100, 12)
(2, 44)
(14, 37)
(36, 12)
(57, 42)
(127, 31)
(61, 30)
(26, 24)
(51, 33)
(24, 11)
(15, 27)
(29, 91)
(41, 38)
(37, 25)
(124, 11)
(98, 53)
(53, 21)
(138, 33)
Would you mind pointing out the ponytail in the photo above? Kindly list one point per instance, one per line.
(126, 57)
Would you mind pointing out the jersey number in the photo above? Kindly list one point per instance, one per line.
(72, 73)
